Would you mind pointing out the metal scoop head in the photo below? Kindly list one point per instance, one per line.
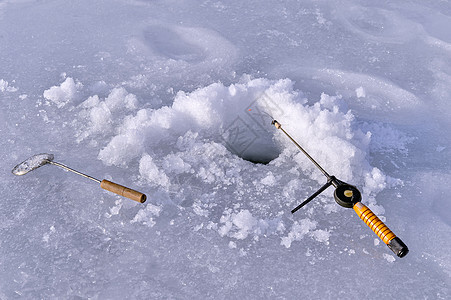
(32, 163)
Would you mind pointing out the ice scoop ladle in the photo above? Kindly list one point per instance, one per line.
(42, 159)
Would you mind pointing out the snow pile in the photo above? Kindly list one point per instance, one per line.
(151, 172)
(103, 115)
(302, 228)
(240, 224)
(194, 152)
(216, 112)
(6, 87)
(238, 117)
(146, 216)
(64, 93)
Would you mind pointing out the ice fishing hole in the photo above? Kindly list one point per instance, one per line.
(251, 142)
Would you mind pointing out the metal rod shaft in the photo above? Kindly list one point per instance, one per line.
(74, 171)
(305, 152)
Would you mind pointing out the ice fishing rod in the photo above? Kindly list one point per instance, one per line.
(349, 196)
(39, 160)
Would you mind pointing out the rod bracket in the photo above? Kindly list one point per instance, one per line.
(345, 195)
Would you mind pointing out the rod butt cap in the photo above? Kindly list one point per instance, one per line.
(398, 247)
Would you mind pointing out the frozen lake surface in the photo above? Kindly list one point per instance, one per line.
(175, 99)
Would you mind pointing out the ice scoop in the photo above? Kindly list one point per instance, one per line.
(39, 160)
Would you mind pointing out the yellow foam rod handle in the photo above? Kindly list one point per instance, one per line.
(381, 230)
(123, 191)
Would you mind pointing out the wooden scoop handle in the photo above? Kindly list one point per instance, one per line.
(123, 191)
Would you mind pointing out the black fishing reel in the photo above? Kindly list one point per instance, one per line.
(345, 195)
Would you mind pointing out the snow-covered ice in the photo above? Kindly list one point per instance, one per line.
(175, 99)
